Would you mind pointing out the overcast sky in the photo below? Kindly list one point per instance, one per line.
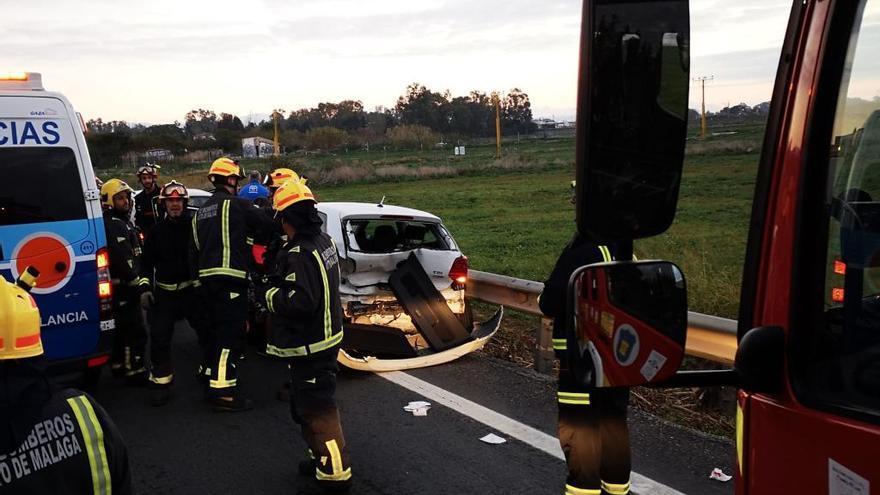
(153, 61)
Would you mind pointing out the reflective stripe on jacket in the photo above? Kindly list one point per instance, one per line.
(304, 298)
(221, 228)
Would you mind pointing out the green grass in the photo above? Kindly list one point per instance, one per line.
(516, 223)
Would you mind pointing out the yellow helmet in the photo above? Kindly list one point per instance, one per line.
(110, 189)
(281, 175)
(19, 319)
(291, 192)
(225, 167)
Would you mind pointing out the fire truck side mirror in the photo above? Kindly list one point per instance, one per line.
(634, 77)
(630, 323)
(760, 360)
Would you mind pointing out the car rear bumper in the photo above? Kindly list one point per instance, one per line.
(481, 334)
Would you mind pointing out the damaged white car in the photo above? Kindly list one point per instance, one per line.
(402, 288)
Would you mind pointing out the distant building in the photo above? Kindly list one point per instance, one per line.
(204, 136)
(255, 147)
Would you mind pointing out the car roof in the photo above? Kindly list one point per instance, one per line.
(349, 209)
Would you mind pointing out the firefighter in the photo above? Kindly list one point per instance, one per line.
(146, 210)
(593, 432)
(223, 257)
(302, 293)
(124, 248)
(167, 286)
(53, 441)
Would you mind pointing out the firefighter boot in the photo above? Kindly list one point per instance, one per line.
(230, 403)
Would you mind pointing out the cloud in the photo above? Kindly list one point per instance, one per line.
(175, 55)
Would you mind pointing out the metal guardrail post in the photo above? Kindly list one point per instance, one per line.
(544, 355)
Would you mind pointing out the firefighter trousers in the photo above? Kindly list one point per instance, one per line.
(594, 437)
(313, 407)
(131, 336)
(226, 305)
(169, 307)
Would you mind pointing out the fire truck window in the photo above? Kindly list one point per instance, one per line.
(845, 351)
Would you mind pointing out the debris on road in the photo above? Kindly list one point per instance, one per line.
(493, 439)
(718, 475)
(418, 408)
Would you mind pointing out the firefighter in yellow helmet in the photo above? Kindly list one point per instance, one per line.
(302, 294)
(221, 230)
(35, 417)
(124, 248)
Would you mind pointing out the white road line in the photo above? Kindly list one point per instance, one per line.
(524, 433)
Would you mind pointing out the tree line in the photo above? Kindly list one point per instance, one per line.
(420, 118)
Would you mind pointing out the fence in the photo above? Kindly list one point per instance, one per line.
(709, 337)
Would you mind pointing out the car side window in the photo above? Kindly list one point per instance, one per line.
(844, 349)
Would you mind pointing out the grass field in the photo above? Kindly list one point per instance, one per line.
(516, 223)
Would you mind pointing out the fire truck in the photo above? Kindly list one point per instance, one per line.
(807, 367)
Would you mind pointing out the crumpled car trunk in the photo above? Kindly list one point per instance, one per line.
(441, 335)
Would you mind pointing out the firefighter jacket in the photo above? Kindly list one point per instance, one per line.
(577, 253)
(223, 231)
(124, 248)
(59, 442)
(165, 262)
(147, 211)
(302, 293)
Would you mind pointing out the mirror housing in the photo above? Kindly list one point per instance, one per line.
(630, 323)
(634, 78)
(760, 360)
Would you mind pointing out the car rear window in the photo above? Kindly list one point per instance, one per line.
(389, 236)
(39, 185)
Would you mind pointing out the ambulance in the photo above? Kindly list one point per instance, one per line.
(51, 219)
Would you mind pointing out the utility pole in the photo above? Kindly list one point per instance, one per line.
(497, 102)
(702, 80)
(275, 114)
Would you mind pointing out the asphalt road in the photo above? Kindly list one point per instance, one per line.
(186, 448)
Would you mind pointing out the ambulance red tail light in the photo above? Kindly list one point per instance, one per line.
(105, 287)
(97, 361)
(459, 272)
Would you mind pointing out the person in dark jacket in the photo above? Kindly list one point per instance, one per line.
(302, 294)
(51, 441)
(167, 286)
(124, 249)
(592, 425)
(222, 229)
(147, 211)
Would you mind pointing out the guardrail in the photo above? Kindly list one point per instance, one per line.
(709, 337)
